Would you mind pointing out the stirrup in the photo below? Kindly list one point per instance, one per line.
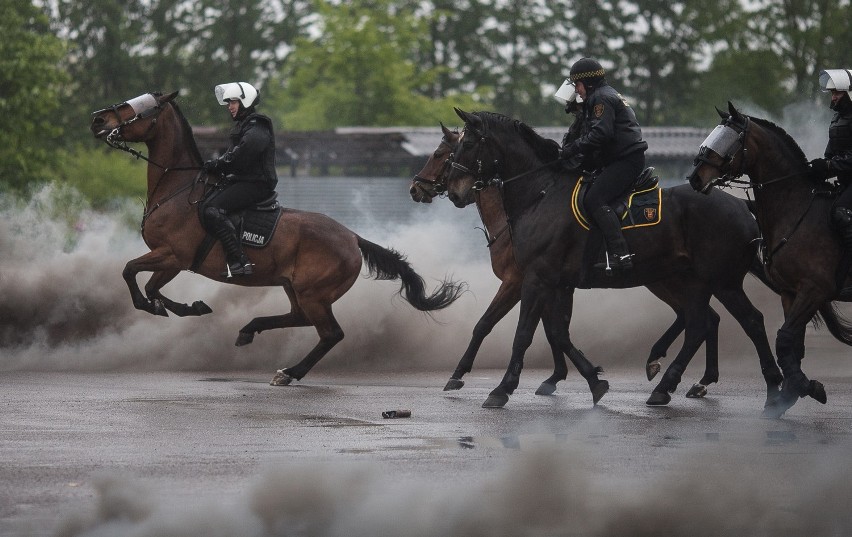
(238, 269)
(616, 262)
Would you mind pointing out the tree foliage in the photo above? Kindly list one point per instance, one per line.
(30, 82)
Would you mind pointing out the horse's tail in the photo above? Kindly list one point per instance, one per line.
(838, 325)
(386, 264)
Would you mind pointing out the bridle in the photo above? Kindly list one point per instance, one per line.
(728, 141)
(439, 184)
(144, 107)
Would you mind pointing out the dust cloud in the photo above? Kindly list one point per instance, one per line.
(66, 307)
(546, 492)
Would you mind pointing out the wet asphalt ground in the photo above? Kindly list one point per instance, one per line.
(193, 436)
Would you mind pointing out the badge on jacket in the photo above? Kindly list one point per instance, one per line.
(599, 109)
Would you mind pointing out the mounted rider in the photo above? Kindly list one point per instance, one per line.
(838, 152)
(248, 167)
(611, 142)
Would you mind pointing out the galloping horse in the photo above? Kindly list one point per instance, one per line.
(431, 181)
(314, 258)
(423, 189)
(802, 254)
(683, 249)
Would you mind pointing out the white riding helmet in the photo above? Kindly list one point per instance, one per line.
(242, 91)
(835, 79)
(567, 93)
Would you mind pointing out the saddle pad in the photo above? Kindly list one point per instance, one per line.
(257, 227)
(639, 209)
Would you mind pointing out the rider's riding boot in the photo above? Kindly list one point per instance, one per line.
(619, 256)
(238, 263)
(841, 219)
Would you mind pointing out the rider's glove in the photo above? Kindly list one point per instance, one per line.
(819, 169)
(211, 165)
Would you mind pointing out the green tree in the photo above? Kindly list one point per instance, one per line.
(30, 82)
(360, 69)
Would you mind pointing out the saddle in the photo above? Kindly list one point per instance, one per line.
(255, 227)
(640, 207)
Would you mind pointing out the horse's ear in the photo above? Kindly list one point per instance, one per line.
(732, 110)
(444, 129)
(461, 113)
(722, 114)
(168, 97)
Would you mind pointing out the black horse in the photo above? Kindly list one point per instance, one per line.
(803, 257)
(431, 181)
(690, 249)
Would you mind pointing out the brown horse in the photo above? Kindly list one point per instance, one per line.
(314, 258)
(803, 256)
(423, 189)
(431, 181)
(687, 249)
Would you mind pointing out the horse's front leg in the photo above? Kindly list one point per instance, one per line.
(507, 296)
(158, 281)
(556, 317)
(790, 350)
(532, 304)
(151, 262)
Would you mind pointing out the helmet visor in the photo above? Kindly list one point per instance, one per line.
(567, 93)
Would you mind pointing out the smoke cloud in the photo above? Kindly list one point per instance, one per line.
(66, 307)
(541, 492)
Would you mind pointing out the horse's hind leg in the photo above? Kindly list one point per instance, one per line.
(295, 318)
(556, 319)
(158, 281)
(711, 364)
(659, 349)
(330, 333)
(751, 320)
(696, 309)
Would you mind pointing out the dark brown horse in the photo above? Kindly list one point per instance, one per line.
(423, 189)
(684, 250)
(431, 181)
(314, 258)
(803, 257)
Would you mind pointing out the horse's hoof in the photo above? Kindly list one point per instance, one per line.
(817, 391)
(599, 390)
(780, 405)
(697, 391)
(546, 388)
(652, 368)
(496, 401)
(658, 399)
(158, 308)
(454, 384)
(281, 378)
(200, 308)
(244, 338)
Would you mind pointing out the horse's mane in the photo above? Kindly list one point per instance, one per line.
(788, 142)
(545, 148)
(187, 129)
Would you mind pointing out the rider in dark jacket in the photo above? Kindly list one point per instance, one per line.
(248, 167)
(611, 141)
(838, 153)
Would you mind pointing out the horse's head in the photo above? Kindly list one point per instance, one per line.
(431, 180)
(130, 121)
(721, 157)
(467, 173)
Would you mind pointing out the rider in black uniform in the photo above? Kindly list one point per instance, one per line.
(248, 167)
(611, 141)
(838, 153)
